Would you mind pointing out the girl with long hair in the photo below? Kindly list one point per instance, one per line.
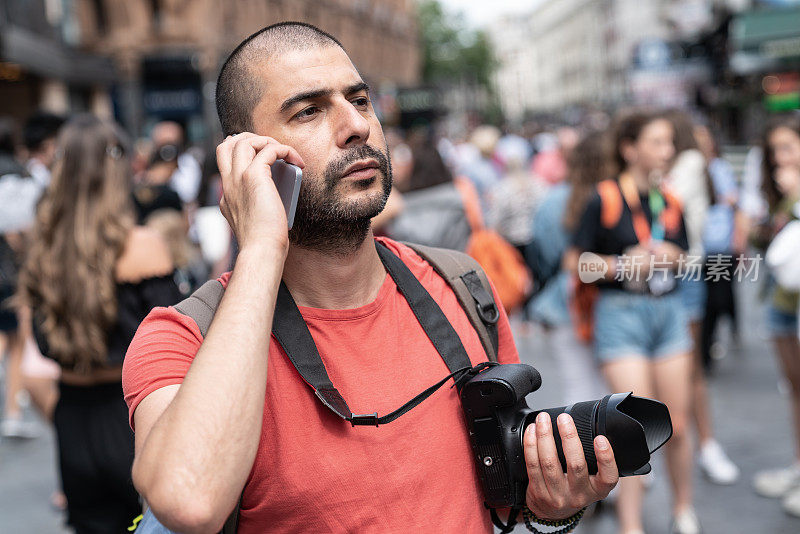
(90, 276)
(640, 332)
(781, 188)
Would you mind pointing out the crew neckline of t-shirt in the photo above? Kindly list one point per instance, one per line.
(351, 314)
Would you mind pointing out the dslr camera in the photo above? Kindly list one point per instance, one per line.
(498, 414)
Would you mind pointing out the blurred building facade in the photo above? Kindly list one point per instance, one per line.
(42, 65)
(159, 58)
(557, 56)
(603, 53)
(571, 52)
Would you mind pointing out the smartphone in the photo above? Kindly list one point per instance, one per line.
(287, 178)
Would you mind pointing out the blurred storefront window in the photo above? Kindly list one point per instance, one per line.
(41, 65)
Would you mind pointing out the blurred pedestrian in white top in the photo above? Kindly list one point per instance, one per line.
(752, 201)
(687, 179)
(19, 193)
(39, 136)
(186, 178)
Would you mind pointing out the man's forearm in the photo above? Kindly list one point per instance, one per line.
(204, 444)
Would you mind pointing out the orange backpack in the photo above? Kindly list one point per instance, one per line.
(612, 200)
(503, 263)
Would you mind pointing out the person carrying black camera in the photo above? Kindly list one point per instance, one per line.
(223, 417)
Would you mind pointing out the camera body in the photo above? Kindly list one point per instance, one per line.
(497, 415)
(495, 407)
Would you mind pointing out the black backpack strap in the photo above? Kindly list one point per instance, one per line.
(430, 316)
(471, 286)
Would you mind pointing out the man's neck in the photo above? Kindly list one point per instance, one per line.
(320, 279)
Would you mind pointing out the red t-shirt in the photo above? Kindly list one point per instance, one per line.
(315, 472)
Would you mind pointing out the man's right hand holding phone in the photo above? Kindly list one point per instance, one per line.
(250, 202)
(175, 463)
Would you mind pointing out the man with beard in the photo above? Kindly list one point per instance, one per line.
(224, 416)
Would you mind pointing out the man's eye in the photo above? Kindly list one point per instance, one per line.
(361, 101)
(306, 113)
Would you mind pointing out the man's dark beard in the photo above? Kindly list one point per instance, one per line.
(323, 221)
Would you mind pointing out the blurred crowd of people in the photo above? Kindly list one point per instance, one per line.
(652, 199)
(96, 230)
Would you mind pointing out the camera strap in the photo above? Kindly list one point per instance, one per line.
(509, 525)
(293, 335)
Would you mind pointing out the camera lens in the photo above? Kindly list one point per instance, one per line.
(636, 427)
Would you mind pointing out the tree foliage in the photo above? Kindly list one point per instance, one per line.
(452, 52)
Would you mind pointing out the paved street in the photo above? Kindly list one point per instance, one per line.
(751, 420)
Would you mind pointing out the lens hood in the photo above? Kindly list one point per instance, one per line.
(636, 427)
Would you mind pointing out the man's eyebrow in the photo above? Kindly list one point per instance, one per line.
(307, 95)
(318, 93)
(357, 87)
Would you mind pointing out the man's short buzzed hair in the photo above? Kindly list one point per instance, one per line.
(238, 90)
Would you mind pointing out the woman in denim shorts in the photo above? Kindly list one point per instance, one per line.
(641, 335)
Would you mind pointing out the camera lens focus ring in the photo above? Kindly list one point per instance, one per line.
(584, 415)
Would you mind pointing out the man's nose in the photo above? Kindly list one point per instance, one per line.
(351, 127)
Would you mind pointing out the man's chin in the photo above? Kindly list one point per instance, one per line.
(365, 209)
(363, 204)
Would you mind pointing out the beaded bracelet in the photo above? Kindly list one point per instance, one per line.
(568, 524)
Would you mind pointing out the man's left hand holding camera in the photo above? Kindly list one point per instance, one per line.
(552, 494)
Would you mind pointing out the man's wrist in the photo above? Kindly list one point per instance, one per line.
(265, 249)
(566, 524)
(259, 263)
